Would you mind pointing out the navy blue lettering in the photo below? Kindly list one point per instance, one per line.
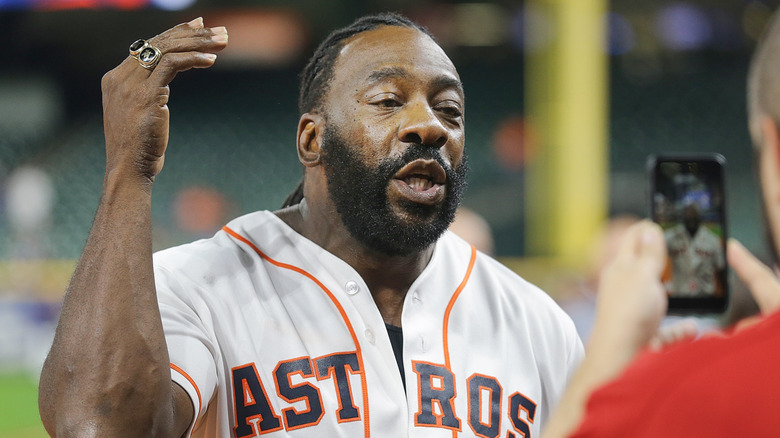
(518, 402)
(437, 388)
(339, 366)
(293, 419)
(254, 414)
(476, 384)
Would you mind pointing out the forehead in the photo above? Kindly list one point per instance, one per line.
(389, 47)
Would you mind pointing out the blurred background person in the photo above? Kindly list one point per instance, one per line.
(473, 228)
(695, 255)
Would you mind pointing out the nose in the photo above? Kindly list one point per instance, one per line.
(420, 125)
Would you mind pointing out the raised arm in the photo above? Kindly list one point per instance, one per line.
(107, 373)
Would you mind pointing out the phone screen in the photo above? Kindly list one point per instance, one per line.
(688, 202)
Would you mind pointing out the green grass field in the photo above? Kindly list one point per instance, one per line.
(19, 407)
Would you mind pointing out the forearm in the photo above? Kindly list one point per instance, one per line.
(631, 303)
(108, 369)
(107, 373)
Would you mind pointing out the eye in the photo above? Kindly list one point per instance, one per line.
(386, 100)
(388, 103)
(450, 109)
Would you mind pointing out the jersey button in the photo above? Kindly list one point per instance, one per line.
(352, 287)
(370, 336)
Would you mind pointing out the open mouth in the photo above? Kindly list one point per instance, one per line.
(422, 173)
(421, 181)
(418, 183)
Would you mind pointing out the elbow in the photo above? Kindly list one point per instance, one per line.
(46, 401)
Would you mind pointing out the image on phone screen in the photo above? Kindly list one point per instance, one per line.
(688, 203)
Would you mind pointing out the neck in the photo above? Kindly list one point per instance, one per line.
(387, 277)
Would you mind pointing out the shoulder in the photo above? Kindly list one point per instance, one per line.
(708, 385)
(510, 294)
(489, 272)
(710, 235)
(674, 232)
(493, 302)
(221, 254)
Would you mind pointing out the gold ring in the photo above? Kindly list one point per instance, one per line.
(137, 46)
(149, 57)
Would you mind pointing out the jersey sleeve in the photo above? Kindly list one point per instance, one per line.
(190, 346)
(576, 353)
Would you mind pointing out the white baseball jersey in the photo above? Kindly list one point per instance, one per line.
(695, 261)
(271, 334)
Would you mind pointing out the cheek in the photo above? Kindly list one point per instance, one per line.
(766, 175)
(770, 183)
(455, 149)
(376, 140)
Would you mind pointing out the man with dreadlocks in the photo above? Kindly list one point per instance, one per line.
(352, 311)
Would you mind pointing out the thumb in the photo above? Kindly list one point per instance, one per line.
(762, 282)
(652, 246)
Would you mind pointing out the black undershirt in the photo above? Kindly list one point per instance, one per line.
(397, 341)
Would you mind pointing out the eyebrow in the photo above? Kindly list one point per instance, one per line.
(387, 73)
(441, 81)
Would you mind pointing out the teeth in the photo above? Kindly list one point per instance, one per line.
(419, 184)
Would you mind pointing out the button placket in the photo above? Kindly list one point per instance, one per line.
(352, 287)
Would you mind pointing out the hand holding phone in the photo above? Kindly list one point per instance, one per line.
(687, 199)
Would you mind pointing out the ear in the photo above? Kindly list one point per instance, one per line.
(310, 128)
(770, 141)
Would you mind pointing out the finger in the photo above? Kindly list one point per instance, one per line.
(629, 245)
(762, 282)
(210, 40)
(173, 63)
(674, 333)
(644, 241)
(652, 246)
(747, 322)
(182, 27)
(185, 37)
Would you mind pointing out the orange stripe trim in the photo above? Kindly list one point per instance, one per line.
(452, 303)
(447, 312)
(311, 277)
(192, 382)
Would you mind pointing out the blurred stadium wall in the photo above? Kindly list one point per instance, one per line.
(676, 74)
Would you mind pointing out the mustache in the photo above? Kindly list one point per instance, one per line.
(390, 166)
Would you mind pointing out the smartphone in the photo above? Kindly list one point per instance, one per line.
(687, 199)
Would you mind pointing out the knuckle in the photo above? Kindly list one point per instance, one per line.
(160, 43)
(202, 31)
(107, 81)
(167, 61)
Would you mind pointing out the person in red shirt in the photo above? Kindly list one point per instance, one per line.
(718, 386)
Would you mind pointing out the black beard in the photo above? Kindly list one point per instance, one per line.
(692, 229)
(360, 195)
